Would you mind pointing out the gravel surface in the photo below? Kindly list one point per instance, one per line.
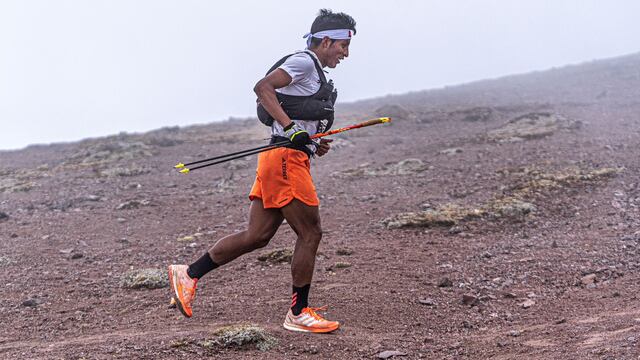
(537, 177)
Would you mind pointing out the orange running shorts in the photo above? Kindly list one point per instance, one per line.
(283, 174)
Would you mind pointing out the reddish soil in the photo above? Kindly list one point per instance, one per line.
(64, 246)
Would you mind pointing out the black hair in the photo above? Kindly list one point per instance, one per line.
(328, 20)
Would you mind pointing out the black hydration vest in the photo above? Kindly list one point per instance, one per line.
(318, 106)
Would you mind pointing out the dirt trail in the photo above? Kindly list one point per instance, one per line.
(499, 219)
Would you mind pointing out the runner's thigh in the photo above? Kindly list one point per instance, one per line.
(301, 217)
(263, 221)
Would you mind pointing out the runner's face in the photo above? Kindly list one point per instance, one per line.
(336, 52)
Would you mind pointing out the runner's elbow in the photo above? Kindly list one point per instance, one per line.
(261, 87)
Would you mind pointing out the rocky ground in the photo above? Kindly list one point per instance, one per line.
(498, 219)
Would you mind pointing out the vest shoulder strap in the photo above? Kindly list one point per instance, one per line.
(319, 70)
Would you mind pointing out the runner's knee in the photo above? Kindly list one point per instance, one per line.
(261, 240)
(313, 234)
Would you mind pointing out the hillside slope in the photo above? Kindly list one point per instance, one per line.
(495, 219)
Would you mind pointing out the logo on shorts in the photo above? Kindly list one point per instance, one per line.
(284, 168)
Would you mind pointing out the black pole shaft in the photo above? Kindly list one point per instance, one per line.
(256, 151)
(237, 153)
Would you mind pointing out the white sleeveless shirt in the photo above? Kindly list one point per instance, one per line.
(305, 81)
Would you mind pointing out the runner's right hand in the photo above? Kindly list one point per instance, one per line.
(297, 135)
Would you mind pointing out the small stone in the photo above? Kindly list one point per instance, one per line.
(445, 282)
(450, 151)
(515, 333)
(390, 353)
(338, 265)
(5, 261)
(509, 295)
(344, 252)
(487, 297)
(427, 301)
(456, 229)
(467, 325)
(133, 204)
(560, 321)
(33, 302)
(341, 265)
(486, 255)
(3, 216)
(312, 349)
(426, 206)
(76, 255)
(469, 299)
(588, 279)
(528, 303)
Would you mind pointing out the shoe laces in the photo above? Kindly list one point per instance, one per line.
(312, 311)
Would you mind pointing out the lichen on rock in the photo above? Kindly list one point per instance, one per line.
(277, 256)
(242, 335)
(145, 278)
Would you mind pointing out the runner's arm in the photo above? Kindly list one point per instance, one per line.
(266, 91)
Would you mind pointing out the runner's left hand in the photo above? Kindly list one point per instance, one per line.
(323, 147)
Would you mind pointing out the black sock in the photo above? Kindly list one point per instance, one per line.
(202, 266)
(300, 299)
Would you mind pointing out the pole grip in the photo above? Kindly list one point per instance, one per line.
(375, 121)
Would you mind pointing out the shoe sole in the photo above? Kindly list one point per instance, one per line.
(306, 329)
(174, 289)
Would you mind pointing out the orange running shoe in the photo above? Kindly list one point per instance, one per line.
(309, 321)
(183, 288)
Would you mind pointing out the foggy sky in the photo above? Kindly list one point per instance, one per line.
(76, 69)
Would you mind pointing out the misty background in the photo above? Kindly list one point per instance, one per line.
(75, 69)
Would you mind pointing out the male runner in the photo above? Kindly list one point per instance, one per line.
(283, 188)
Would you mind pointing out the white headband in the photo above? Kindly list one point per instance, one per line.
(337, 34)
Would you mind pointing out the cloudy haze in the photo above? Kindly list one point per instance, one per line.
(75, 69)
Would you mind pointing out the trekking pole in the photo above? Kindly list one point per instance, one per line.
(242, 154)
(181, 165)
(377, 121)
(259, 149)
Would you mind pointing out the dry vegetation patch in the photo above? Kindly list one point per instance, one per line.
(108, 150)
(145, 279)
(277, 256)
(20, 180)
(404, 167)
(514, 206)
(531, 126)
(241, 336)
